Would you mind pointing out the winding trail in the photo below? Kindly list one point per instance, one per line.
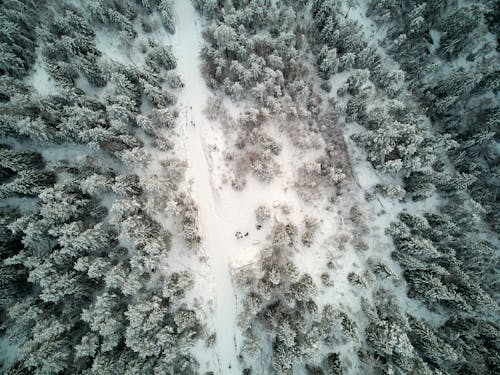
(217, 233)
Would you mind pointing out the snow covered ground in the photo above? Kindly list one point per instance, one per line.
(8, 353)
(217, 228)
(223, 211)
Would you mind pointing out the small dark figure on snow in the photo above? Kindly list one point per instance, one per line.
(246, 234)
(258, 226)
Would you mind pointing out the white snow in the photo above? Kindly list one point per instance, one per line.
(113, 48)
(8, 354)
(40, 79)
(436, 39)
(224, 211)
(217, 229)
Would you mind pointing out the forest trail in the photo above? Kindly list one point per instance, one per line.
(217, 233)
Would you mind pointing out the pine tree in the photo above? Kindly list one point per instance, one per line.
(167, 14)
(146, 323)
(161, 57)
(104, 317)
(458, 27)
(328, 62)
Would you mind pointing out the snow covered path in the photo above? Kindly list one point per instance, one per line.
(216, 232)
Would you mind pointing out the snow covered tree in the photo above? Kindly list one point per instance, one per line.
(457, 28)
(286, 335)
(262, 214)
(17, 41)
(333, 364)
(19, 160)
(106, 318)
(328, 62)
(167, 14)
(434, 349)
(207, 7)
(28, 183)
(135, 157)
(161, 57)
(158, 96)
(146, 324)
(310, 226)
(282, 360)
(127, 185)
(49, 349)
(96, 184)
(33, 128)
(87, 347)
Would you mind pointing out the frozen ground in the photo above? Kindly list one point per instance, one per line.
(43, 84)
(207, 143)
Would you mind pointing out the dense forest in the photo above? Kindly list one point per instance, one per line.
(249, 187)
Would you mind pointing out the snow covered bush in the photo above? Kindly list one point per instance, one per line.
(161, 57)
(328, 62)
(163, 143)
(189, 221)
(262, 214)
(284, 234)
(391, 191)
(258, 137)
(317, 175)
(174, 170)
(310, 227)
(174, 81)
(238, 183)
(165, 117)
(126, 185)
(262, 165)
